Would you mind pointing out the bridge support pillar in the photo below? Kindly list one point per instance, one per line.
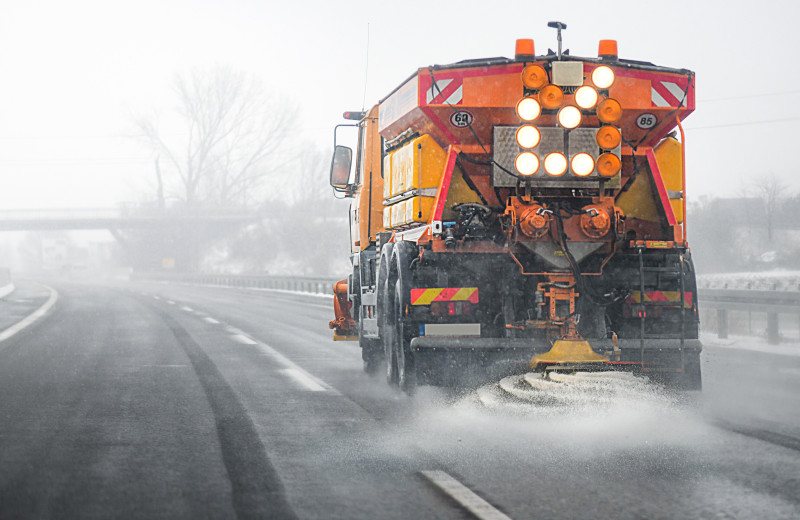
(722, 323)
(773, 332)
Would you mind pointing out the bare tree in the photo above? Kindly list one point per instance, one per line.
(223, 142)
(772, 192)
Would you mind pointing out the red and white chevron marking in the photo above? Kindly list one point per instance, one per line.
(446, 92)
(667, 94)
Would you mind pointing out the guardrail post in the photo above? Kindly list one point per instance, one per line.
(722, 323)
(773, 334)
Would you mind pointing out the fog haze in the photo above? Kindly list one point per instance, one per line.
(76, 74)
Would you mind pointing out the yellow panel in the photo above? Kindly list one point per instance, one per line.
(395, 209)
(419, 160)
(418, 209)
(399, 214)
(387, 217)
(638, 201)
(432, 159)
(670, 163)
(459, 193)
(402, 164)
(387, 179)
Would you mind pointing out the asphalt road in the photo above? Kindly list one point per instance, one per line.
(161, 401)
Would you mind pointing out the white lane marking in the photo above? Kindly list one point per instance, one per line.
(241, 338)
(38, 313)
(156, 297)
(187, 309)
(464, 496)
(304, 379)
(290, 368)
(170, 302)
(209, 319)
(295, 370)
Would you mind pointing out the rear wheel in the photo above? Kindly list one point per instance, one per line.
(372, 355)
(406, 368)
(384, 311)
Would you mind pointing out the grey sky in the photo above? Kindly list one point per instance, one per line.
(75, 72)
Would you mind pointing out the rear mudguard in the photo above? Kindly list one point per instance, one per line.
(344, 327)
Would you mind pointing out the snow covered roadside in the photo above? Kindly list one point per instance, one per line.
(751, 343)
(777, 280)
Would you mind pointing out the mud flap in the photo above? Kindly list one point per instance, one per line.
(344, 327)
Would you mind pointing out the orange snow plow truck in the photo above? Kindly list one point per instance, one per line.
(519, 214)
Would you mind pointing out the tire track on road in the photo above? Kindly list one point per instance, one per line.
(256, 487)
(777, 439)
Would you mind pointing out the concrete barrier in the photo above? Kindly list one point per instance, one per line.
(6, 284)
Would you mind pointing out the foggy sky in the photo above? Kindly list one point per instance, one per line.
(75, 74)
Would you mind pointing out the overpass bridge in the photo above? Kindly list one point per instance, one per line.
(114, 219)
(148, 238)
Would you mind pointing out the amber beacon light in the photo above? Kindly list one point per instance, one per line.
(524, 48)
(607, 49)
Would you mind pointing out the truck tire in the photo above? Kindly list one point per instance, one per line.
(406, 368)
(385, 308)
(372, 355)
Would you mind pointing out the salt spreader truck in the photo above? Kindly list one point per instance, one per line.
(521, 214)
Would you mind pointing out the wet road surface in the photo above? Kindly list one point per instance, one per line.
(162, 401)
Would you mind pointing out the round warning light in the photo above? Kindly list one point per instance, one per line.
(534, 77)
(528, 109)
(569, 117)
(586, 97)
(527, 163)
(608, 137)
(551, 96)
(582, 164)
(608, 165)
(603, 77)
(609, 111)
(528, 136)
(555, 164)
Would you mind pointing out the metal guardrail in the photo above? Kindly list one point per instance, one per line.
(305, 284)
(773, 303)
(787, 282)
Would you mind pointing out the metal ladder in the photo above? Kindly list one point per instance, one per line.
(679, 270)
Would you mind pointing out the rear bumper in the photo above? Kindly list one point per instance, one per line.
(531, 347)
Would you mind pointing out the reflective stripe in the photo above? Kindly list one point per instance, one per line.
(450, 294)
(660, 296)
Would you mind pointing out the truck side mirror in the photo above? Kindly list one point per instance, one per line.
(340, 167)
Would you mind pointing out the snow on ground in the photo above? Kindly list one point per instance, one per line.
(777, 280)
(789, 347)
